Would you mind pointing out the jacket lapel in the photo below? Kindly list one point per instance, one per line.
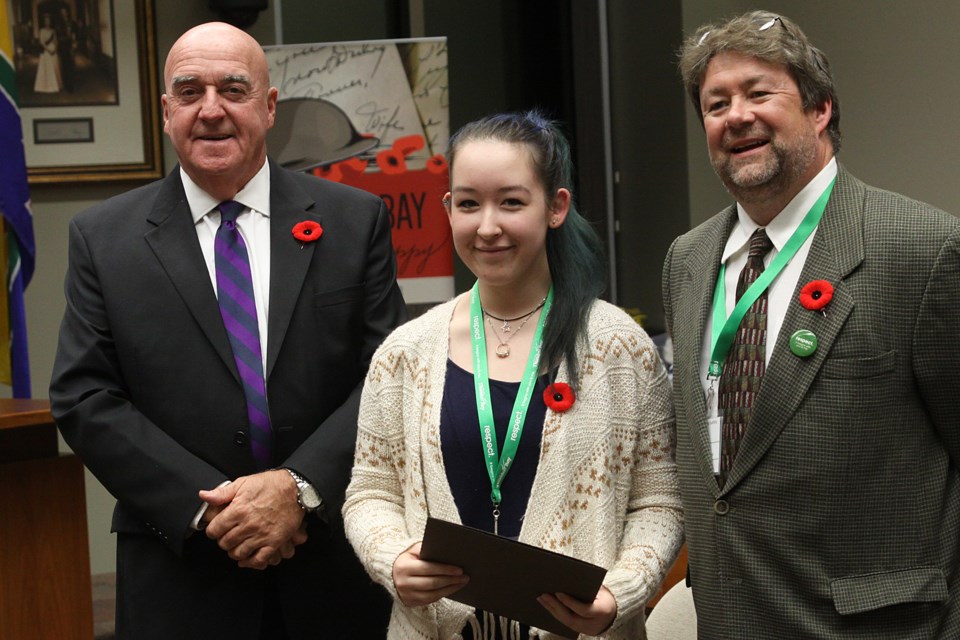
(690, 318)
(837, 250)
(289, 261)
(174, 242)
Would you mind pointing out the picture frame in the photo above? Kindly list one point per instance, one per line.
(113, 135)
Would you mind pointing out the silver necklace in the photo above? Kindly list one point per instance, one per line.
(503, 348)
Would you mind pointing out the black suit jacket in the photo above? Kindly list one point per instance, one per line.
(146, 391)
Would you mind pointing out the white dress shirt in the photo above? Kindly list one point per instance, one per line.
(781, 289)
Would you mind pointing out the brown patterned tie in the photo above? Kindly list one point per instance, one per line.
(745, 365)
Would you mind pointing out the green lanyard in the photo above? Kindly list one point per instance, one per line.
(497, 465)
(725, 329)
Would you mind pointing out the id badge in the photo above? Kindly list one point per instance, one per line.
(714, 427)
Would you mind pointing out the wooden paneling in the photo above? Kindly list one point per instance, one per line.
(45, 589)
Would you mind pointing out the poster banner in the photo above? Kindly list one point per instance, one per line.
(374, 115)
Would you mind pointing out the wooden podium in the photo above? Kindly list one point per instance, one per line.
(45, 591)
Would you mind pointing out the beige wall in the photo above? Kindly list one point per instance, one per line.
(895, 64)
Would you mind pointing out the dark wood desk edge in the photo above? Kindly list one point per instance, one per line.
(21, 413)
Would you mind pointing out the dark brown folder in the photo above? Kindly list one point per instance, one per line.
(506, 576)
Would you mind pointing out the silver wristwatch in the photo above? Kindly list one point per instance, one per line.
(307, 497)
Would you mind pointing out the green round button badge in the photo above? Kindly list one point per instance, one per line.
(803, 343)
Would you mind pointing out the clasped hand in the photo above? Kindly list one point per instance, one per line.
(256, 519)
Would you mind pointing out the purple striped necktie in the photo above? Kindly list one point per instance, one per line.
(239, 312)
(746, 362)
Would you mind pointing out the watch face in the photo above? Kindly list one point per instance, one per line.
(309, 497)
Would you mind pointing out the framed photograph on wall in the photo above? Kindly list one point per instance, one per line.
(86, 74)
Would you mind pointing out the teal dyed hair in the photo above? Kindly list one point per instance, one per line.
(574, 251)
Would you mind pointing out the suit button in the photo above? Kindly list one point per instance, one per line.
(721, 507)
(240, 437)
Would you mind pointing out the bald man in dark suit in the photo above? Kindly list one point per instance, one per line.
(226, 529)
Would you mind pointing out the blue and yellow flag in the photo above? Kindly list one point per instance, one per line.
(17, 248)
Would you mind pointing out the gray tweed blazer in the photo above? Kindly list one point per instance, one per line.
(841, 515)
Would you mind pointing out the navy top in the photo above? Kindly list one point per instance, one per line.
(463, 455)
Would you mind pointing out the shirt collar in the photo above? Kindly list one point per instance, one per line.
(786, 222)
(255, 195)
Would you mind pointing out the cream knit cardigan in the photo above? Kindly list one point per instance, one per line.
(605, 490)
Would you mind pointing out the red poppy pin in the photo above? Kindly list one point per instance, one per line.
(816, 294)
(559, 396)
(307, 231)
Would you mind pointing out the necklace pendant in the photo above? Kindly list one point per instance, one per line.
(503, 350)
(506, 327)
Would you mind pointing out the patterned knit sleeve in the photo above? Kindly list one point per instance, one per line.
(373, 512)
(653, 529)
